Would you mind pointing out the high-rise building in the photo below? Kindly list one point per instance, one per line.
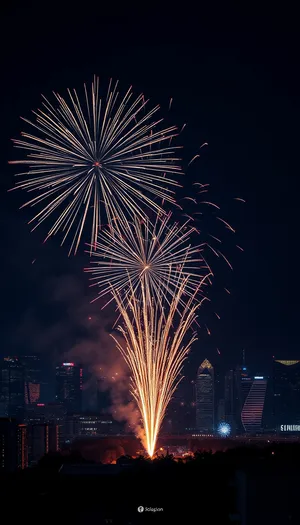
(238, 383)
(44, 413)
(22, 446)
(252, 411)
(32, 376)
(12, 389)
(38, 442)
(286, 392)
(13, 445)
(230, 397)
(42, 438)
(205, 398)
(69, 386)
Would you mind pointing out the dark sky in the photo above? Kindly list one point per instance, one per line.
(235, 82)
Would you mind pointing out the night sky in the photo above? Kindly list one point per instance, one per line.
(236, 84)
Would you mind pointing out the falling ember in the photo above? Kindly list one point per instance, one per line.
(190, 199)
(240, 248)
(216, 238)
(239, 199)
(218, 351)
(208, 330)
(204, 144)
(154, 351)
(217, 315)
(226, 224)
(226, 260)
(194, 158)
(226, 290)
(170, 104)
(32, 262)
(210, 204)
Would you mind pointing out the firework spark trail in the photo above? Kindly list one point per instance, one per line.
(150, 255)
(154, 350)
(94, 150)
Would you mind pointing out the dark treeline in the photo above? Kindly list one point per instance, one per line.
(205, 488)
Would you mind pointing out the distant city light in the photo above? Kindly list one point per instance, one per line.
(224, 429)
(258, 377)
(68, 364)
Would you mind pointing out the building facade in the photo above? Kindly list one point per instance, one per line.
(42, 438)
(252, 411)
(69, 386)
(238, 384)
(12, 388)
(205, 406)
(32, 377)
(286, 393)
(13, 445)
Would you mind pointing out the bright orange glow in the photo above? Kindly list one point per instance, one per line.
(154, 350)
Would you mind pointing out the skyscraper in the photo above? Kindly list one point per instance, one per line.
(13, 445)
(69, 386)
(230, 400)
(12, 389)
(22, 446)
(32, 370)
(205, 398)
(286, 392)
(238, 383)
(252, 411)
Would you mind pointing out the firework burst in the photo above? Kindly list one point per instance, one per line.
(141, 254)
(101, 157)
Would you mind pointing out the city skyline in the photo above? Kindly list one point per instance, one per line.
(248, 402)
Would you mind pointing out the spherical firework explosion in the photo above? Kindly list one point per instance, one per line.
(139, 253)
(100, 153)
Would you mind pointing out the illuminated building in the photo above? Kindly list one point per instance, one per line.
(286, 392)
(94, 425)
(238, 383)
(45, 413)
(69, 386)
(13, 445)
(32, 368)
(88, 425)
(42, 438)
(230, 400)
(252, 411)
(205, 398)
(38, 442)
(22, 446)
(12, 390)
